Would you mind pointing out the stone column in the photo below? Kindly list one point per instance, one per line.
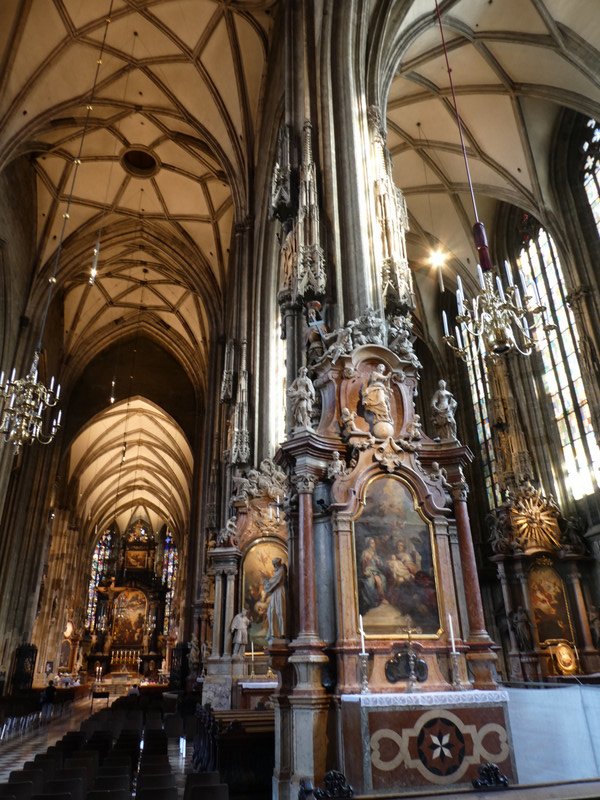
(229, 611)
(216, 633)
(477, 631)
(307, 632)
(480, 657)
(574, 579)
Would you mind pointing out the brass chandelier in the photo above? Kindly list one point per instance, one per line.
(496, 321)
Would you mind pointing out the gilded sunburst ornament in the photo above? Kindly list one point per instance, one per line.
(534, 520)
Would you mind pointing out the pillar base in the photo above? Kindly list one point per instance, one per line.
(482, 665)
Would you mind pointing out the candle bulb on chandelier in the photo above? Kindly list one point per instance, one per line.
(445, 323)
(508, 272)
(480, 276)
(500, 289)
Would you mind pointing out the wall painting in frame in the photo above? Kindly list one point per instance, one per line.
(258, 567)
(395, 563)
(548, 602)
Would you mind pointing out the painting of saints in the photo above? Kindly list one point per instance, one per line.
(130, 614)
(395, 563)
(258, 569)
(548, 603)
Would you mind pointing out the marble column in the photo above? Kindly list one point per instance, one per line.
(574, 579)
(216, 633)
(229, 611)
(480, 658)
(477, 631)
(307, 600)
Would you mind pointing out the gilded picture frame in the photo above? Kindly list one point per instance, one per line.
(256, 568)
(396, 563)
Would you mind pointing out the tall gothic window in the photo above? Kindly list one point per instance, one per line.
(100, 559)
(169, 576)
(591, 168)
(480, 391)
(541, 269)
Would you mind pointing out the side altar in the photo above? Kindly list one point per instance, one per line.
(387, 643)
(347, 570)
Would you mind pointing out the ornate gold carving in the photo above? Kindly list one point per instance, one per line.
(534, 519)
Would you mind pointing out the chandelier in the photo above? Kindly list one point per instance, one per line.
(497, 320)
(24, 401)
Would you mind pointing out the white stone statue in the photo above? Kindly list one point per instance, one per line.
(227, 536)
(302, 397)
(376, 395)
(275, 589)
(336, 467)
(239, 629)
(443, 408)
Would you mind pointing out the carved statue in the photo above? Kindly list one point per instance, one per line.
(275, 589)
(521, 625)
(194, 654)
(227, 536)
(499, 536)
(443, 408)
(338, 343)
(239, 629)
(336, 467)
(287, 262)
(376, 395)
(302, 396)
(369, 328)
(573, 535)
(400, 340)
(439, 474)
(270, 481)
(347, 422)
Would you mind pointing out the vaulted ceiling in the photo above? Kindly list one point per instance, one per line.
(166, 152)
(514, 64)
(158, 161)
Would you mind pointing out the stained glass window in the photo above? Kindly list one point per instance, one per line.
(100, 560)
(169, 576)
(591, 168)
(543, 277)
(480, 391)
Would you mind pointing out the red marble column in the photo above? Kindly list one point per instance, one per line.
(307, 600)
(475, 615)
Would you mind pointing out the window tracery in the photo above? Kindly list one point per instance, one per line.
(170, 567)
(100, 560)
(562, 379)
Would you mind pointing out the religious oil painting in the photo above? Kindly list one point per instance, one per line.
(548, 603)
(136, 559)
(257, 568)
(130, 615)
(395, 563)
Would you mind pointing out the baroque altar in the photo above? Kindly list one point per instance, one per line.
(382, 577)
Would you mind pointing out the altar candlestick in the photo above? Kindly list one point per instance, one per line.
(252, 646)
(452, 634)
(362, 635)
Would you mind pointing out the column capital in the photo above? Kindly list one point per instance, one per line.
(304, 483)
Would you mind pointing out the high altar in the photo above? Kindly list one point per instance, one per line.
(127, 630)
(376, 535)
